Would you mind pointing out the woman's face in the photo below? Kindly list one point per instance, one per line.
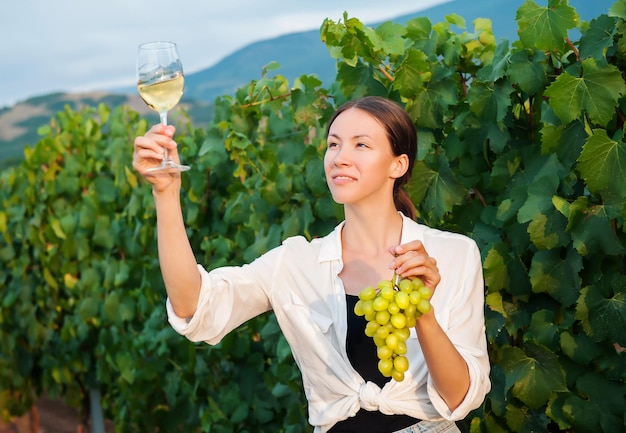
(359, 163)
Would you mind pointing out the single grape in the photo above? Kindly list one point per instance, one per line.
(397, 375)
(358, 308)
(382, 332)
(385, 366)
(402, 299)
(417, 283)
(401, 363)
(384, 352)
(371, 328)
(382, 317)
(387, 292)
(380, 304)
(384, 283)
(401, 349)
(425, 292)
(393, 308)
(415, 297)
(405, 286)
(424, 306)
(367, 294)
(367, 307)
(392, 341)
(398, 320)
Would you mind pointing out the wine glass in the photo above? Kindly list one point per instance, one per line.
(160, 83)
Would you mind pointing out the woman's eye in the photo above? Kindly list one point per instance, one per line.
(331, 144)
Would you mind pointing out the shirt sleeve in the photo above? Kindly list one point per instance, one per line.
(466, 330)
(229, 296)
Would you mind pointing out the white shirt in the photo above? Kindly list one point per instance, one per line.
(299, 281)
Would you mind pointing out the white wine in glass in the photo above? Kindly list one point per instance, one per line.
(160, 82)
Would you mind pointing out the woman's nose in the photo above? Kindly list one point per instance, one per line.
(341, 157)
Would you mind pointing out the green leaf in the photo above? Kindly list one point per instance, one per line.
(595, 93)
(529, 70)
(604, 316)
(412, 73)
(579, 347)
(556, 275)
(542, 329)
(444, 191)
(602, 164)
(598, 38)
(547, 230)
(532, 374)
(566, 140)
(431, 105)
(126, 366)
(591, 228)
(421, 179)
(545, 28)
(495, 267)
(490, 100)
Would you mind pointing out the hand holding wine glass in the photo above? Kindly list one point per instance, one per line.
(160, 82)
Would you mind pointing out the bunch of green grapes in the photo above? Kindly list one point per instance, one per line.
(391, 310)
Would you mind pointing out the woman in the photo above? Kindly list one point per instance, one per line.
(312, 286)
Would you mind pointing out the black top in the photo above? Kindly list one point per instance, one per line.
(362, 355)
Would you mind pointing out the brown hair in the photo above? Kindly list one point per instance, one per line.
(401, 134)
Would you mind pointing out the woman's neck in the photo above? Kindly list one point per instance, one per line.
(371, 232)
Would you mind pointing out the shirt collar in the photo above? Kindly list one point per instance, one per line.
(331, 244)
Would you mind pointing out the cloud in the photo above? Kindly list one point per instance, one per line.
(73, 45)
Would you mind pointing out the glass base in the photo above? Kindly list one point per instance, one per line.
(168, 167)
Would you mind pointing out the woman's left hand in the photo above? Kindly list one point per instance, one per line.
(412, 260)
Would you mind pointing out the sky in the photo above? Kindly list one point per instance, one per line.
(86, 45)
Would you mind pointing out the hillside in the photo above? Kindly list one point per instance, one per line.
(297, 53)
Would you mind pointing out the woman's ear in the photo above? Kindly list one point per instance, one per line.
(400, 167)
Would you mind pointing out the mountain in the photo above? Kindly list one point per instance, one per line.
(296, 53)
(304, 52)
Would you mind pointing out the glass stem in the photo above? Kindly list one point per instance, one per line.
(166, 154)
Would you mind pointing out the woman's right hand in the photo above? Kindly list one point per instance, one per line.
(149, 152)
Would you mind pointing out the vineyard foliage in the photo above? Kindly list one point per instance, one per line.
(521, 147)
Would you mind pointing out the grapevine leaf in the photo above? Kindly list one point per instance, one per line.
(497, 67)
(542, 329)
(602, 164)
(432, 103)
(532, 374)
(418, 29)
(547, 230)
(126, 365)
(591, 228)
(444, 191)
(391, 38)
(490, 100)
(421, 179)
(566, 140)
(359, 80)
(595, 93)
(604, 316)
(529, 70)
(618, 10)
(412, 73)
(598, 387)
(495, 267)
(546, 28)
(598, 38)
(523, 419)
(579, 347)
(546, 177)
(558, 276)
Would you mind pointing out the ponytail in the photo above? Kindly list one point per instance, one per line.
(404, 203)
